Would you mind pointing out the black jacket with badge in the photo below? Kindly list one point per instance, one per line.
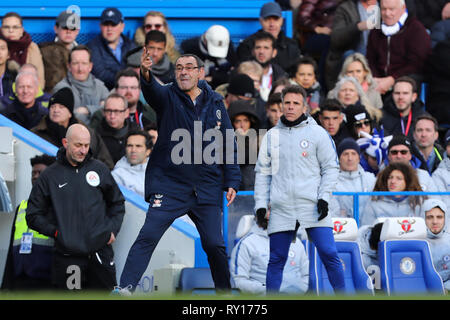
(83, 203)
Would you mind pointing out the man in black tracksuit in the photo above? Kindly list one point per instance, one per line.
(78, 203)
(174, 188)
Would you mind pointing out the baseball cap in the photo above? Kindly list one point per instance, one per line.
(270, 9)
(67, 19)
(111, 15)
(217, 41)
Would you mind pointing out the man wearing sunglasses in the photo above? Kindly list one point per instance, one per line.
(55, 54)
(110, 47)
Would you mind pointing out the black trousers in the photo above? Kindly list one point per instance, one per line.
(96, 271)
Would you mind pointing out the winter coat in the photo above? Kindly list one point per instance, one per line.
(388, 207)
(314, 13)
(441, 178)
(25, 117)
(440, 253)
(351, 181)
(402, 54)
(55, 134)
(296, 167)
(130, 176)
(440, 32)
(55, 57)
(78, 206)
(368, 255)
(106, 64)
(438, 153)
(249, 260)
(175, 110)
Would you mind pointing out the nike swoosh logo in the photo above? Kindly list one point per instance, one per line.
(62, 185)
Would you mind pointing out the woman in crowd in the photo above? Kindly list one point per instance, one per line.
(396, 177)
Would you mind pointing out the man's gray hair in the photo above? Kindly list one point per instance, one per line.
(115, 95)
(27, 73)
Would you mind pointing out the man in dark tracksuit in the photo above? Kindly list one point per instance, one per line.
(174, 188)
(77, 202)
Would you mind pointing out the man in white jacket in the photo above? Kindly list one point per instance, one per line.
(249, 259)
(129, 171)
(296, 172)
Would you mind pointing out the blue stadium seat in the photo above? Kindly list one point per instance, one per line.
(199, 281)
(405, 258)
(356, 278)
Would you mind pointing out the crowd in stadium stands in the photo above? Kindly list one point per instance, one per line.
(363, 78)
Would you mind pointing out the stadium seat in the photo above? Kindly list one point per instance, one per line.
(243, 227)
(405, 258)
(199, 281)
(356, 278)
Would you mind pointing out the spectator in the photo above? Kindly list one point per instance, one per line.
(358, 119)
(440, 32)
(271, 20)
(53, 127)
(217, 52)
(348, 91)
(56, 211)
(285, 187)
(305, 73)
(401, 109)
(396, 177)
(115, 125)
(29, 269)
(21, 48)
(356, 66)
(352, 178)
(155, 20)
(274, 105)
(250, 257)
(164, 70)
(245, 122)
(129, 171)
(24, 109)
(431, 12)
(368, 239)
(399, 48)
(89, 92)
(352, 22)
(438, 238)
(441, 176)
(55, 54)
(279, 85)
(425, 145)
(128, 85)
(110, 47)
(263, 52)
(8, 70)
(331, 117)
(400, 150)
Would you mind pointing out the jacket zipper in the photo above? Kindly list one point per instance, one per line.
(388, 62)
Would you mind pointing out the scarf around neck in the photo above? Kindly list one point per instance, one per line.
(391, 30)
(18, 49)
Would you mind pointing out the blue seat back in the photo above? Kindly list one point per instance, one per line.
(407, 268)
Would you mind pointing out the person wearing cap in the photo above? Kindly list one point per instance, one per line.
(358, 119)
(438, 237)
(89, 92)
(53, 127)
(245, 122)
(216, 50)
(296, 172)
(400, 150)
(441, 176)
(352, 178)
(263, 52)
(426, 145)
(271, 20)
(401, 108)
(55, 54)
(110, 47)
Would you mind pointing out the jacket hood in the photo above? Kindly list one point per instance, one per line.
(259, 231)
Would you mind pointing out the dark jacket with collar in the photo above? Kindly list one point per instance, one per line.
(83, 203)
(105, 63)
(180, 178)
(391, 120)
(288, 50)
(439, 155)
(25, 117)
(404, 53)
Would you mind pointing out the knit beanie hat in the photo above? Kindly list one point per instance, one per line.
(348, 143)
(398, 140)
(64, 97)
(241, 85)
